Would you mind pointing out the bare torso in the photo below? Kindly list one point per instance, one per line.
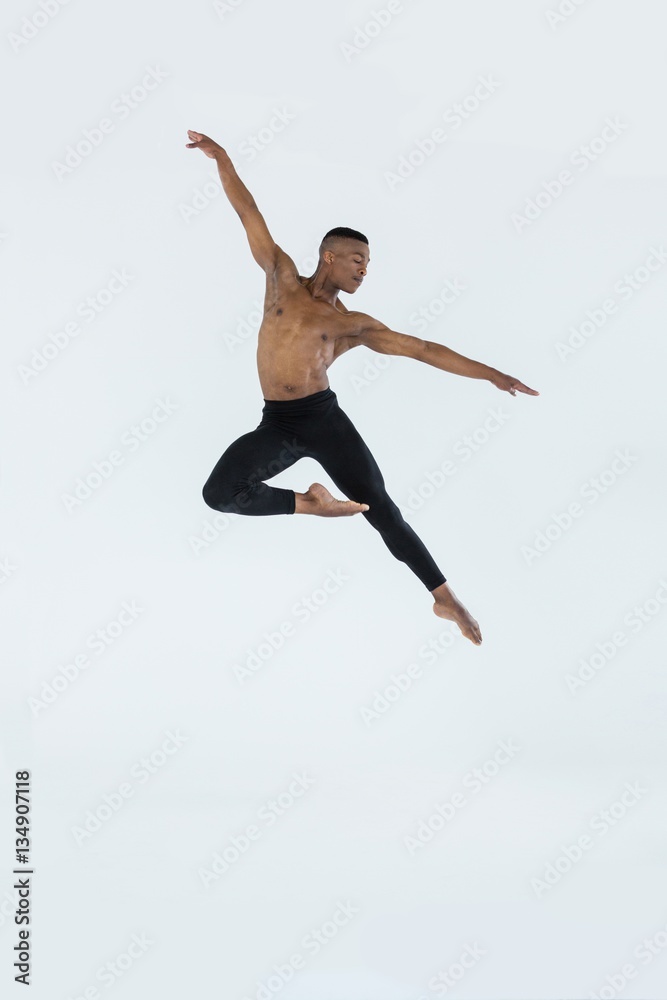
(299, 338)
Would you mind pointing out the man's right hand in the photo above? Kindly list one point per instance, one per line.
(200, 141)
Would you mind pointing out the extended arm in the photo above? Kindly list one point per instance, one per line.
(262, 245)
(371, 333)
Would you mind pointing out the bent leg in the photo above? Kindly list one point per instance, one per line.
(236, 484)
(346, 457)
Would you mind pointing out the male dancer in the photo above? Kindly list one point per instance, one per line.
(304, 329)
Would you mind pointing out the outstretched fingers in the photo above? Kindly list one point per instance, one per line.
(508, 383)
(513, 385)
(523, 388)
(196, 136)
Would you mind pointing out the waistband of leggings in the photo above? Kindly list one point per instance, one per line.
(304, 403)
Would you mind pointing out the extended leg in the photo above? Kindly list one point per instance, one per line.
(347, 459)
(344, 455)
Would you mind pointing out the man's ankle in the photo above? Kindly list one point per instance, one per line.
(301, 503)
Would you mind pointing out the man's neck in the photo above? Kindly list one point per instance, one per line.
(320, 288)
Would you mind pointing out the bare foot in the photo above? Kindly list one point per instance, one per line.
(318, 500)
(447, 605)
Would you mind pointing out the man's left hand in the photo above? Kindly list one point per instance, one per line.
(510, 384)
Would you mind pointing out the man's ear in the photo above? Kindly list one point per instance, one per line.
(328, 256)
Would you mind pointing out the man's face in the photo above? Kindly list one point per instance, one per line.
(351, 259)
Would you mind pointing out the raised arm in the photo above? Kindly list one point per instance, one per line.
(372, 333)
(262, 245)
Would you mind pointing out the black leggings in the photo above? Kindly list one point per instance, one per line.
(313, 427)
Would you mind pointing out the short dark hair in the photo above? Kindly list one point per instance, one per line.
(343, 233)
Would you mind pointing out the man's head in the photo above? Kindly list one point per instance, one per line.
(345, 255)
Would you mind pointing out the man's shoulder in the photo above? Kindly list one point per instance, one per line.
(284, 271)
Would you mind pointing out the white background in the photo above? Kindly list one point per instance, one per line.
(360, 100)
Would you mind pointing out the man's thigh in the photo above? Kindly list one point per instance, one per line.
(260, 454)
(347, 459)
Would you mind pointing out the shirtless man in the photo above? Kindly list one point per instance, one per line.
(304, 329)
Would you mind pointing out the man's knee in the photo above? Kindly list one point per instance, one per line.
(383, 513)
(223, 494)
(218, 495)
(211, 494)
